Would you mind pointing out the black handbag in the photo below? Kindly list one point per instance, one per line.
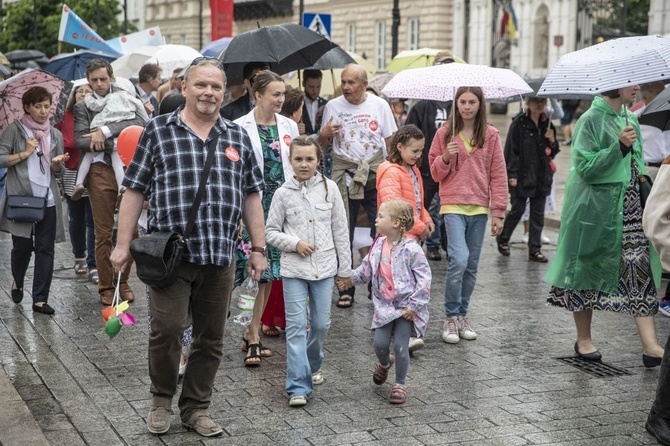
(158, 255)
(645, 188)
(26, 208)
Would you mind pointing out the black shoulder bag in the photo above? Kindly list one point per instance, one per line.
(158, 255)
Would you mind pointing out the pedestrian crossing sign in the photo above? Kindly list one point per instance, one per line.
(317, 22)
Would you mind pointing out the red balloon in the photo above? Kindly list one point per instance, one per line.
(127, 143)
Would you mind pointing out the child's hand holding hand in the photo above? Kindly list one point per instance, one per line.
(408, 314)
(304, 248)
(343, 283)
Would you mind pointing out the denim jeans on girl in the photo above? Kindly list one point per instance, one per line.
(465, 236)
(304, 351)
(400, 330)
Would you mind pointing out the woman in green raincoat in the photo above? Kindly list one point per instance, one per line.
(603, 260)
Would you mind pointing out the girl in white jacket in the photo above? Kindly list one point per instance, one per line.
(307, 222)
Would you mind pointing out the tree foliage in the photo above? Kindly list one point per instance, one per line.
(20, 19)
(636, 16)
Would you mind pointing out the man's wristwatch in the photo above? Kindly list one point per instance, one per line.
(260, 249)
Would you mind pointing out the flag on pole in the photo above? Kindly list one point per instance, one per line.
(128, 43)
(75, 31)
(507, 20)
(513, 25)
(504, 19)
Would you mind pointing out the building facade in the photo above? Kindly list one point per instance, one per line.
(547, 29)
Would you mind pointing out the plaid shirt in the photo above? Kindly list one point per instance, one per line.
(166, 168)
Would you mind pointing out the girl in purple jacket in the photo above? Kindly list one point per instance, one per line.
(401, 278)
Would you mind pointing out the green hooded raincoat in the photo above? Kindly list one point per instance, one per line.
(590, 240)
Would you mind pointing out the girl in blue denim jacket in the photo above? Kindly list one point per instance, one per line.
(401, 277)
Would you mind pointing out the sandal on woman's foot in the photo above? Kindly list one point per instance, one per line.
(17, 293)
(538, 257)
(398, 394)
(345, 301)
(253, 358)
(93, 276)
(265, 352)
(503, 248)
(270, 331)
(80, 266)
(381, 373)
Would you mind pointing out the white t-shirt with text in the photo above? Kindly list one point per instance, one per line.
(364, 126)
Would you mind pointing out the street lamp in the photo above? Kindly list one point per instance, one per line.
(395, 28)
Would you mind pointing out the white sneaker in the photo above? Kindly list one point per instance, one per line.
(297, 401)
(545, 240)
(465, 330)
(317, 377)
(415, 344)
(450, 331)
(524, 239)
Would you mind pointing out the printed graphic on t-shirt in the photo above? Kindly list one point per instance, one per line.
(358, 130)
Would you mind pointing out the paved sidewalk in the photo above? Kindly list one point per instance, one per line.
(506, 388)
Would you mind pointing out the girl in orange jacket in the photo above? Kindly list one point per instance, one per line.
(399, 177)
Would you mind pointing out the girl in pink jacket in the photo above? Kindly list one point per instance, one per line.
(469, 164)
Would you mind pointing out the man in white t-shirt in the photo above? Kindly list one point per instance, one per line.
(361, 126)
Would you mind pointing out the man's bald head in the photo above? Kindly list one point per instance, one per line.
(354, 83)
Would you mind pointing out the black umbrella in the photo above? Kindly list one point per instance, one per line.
(283, 48)
(335, 58)
(23, 55)
(5, 71)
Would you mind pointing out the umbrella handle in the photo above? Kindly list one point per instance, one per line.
(625, 114)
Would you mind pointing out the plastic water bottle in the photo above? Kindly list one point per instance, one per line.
(246, 297)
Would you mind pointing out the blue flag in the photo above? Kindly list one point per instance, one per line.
(75, 31)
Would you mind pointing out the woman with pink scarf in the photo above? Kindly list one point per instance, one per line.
(32, 150)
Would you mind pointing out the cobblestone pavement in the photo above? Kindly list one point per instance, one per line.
(505, 388)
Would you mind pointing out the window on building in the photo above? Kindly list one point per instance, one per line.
(183, 39)
(380, 47)
(413, 34)
(168, 39)
(351, 37)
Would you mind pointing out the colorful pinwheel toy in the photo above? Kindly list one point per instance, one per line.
(115, 316)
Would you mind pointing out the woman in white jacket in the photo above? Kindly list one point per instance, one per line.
(270, 134)
(307, 222)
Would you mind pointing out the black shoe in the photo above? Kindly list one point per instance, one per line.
(503, 248)
(593, 356)
(651, 361)
(434, 253)
(537, 256)
(659, 428)
(44, 309)
(17, 293)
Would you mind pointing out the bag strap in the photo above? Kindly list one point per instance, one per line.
(201, 188)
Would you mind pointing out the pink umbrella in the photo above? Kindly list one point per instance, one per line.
(12, 89)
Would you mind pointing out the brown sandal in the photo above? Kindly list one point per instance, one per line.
(398, 394)
(381, 373)
(345, 301)
(503, 248)
(270, 331)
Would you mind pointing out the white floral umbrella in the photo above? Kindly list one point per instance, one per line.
(440, 82)
(607, 66)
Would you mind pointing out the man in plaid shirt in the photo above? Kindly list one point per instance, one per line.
(166, 168)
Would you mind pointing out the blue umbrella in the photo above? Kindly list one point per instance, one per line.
(214, 48)
(72, 66)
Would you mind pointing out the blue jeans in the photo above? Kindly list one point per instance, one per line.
(82, 233)
(465, 236)
(304, 352)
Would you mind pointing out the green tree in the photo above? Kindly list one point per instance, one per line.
(19, 25)
(636, 16)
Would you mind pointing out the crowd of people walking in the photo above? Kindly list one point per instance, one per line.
(287, 176)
